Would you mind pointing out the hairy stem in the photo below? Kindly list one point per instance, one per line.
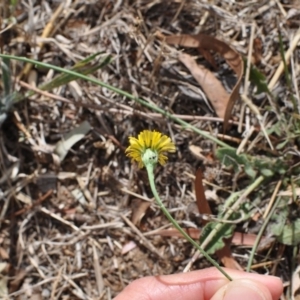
(150, 169)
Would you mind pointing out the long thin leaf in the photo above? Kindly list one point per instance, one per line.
(225, 102)
(123, 93)
(67, 76)
(80, 67)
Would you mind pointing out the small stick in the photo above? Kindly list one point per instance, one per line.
(272, 199)
(287, 57)
(144, 241)
(38, 202)
(47, 31)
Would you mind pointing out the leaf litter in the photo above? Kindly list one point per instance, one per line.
(216, 93)
(68, 228)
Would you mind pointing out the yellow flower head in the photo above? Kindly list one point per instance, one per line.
(152, 140)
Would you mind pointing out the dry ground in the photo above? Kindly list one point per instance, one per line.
(66, 227)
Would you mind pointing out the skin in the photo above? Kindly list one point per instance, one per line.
(203, 285)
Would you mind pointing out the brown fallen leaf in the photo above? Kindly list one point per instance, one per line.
(196, 151)
(18, 278)
(212, 87)
(257, 51)
(139, 208)
(224, 254)
(203, 206)
(216, 93)
(208, 57)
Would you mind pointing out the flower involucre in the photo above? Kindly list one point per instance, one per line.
(152, 140)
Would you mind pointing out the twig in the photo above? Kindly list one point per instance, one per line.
(275, 193)
(144, 241)
(287, 57)
(46, 33)
(38, 202)
(259, 235)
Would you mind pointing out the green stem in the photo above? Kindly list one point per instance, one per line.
(232, 209)
(260, 233)
(150, 169)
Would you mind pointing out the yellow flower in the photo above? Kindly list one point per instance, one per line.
(152, 140)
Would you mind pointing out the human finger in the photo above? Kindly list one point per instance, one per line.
(200, 285)
(246, 289)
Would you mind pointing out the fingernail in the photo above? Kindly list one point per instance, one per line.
(243, 289)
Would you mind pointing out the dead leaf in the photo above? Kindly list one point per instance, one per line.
(208, 57)
(203, 206)
(212, 87)
(139, 208)
(220, 99)
(18, 278)
(128, 247)
(70, 139)
(257, 51)
(196, 151)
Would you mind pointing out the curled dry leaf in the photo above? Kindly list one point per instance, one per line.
(216, 93)
(139, 208)
(196, 151)
(70, 139)
(202, 203)
(210, 84)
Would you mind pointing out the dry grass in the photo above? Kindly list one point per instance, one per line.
(66, 227)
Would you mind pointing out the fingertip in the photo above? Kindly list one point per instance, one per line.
(201, 284)
(245, 289)
(272, 283)
(275, 286)
(179, 286)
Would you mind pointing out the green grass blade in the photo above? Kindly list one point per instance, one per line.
(184, 124)
(82, 67)
(260, 233)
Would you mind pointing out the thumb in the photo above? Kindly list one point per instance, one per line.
(245, 289)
